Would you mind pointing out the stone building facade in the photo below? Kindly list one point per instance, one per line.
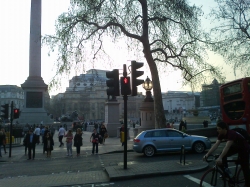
(177, 101)
(210, 94)
(87, 95)
(13, 93)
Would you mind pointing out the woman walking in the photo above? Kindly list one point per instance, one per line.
(48, 143)
(94, 138)
(103, 132)
(78, 141)
(69, 138)
(46, 131)
(4, 141)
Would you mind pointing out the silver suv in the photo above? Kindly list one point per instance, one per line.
(152, 141)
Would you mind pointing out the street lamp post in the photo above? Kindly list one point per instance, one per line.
(146, 109)
(148, 85)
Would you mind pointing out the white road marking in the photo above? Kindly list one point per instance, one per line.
(192, 179)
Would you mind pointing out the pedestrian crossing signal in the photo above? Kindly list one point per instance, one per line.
(16, 113)
(125, 86)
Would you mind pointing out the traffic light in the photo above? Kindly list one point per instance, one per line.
(113, 82)
(5, 111)
(16, 113)
(125, 86)
(134, 74)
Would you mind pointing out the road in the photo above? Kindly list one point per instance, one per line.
(97, 163)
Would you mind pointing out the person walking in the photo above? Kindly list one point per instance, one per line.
(48, 143)
(182, 126)
(61, 133)
(1, 142)
(94, 138)
(168, 125)
(42, 132)
(46, 131)
(52, 130)
(69, 138)
(78, 141)
(31, 142)
(37, 132)
(103, 132)
(4, 141)
(122, 129)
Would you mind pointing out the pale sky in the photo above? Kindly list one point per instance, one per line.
(14, 46)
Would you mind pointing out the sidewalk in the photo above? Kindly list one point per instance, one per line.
(110, 173)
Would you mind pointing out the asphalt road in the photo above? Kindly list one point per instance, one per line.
(84, 163)
(97, 163)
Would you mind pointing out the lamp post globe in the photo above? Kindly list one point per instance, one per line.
(148, 85)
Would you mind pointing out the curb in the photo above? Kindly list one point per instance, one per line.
(116, 173)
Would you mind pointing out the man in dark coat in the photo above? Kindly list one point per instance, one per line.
(31, 141)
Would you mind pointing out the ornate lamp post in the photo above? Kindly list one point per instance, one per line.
(147, 116)
(148, 85)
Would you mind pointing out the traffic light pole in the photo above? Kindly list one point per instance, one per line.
(11, 121)
(125, 98)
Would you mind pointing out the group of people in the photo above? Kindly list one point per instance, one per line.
(95, 138)
(32, 138)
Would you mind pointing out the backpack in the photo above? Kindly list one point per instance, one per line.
(243, 133)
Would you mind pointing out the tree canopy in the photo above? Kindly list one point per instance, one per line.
(168, 32)
(231, 34)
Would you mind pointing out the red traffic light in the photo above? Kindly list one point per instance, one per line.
(16, 113)
(125, 80)
(125, 86)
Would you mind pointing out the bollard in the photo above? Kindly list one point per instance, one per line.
(182, 154)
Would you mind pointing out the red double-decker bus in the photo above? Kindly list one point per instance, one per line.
(235, 103)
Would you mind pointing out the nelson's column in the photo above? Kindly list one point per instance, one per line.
(34, 87)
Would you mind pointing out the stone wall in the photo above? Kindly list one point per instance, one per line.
(208, 132)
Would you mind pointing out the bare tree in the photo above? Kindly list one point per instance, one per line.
(166, 31)
(232, 32)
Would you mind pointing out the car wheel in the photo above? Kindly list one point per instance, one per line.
(149, 150)
(199, 147)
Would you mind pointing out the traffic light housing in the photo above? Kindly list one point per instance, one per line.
(113, 82)
(5, 111)
(125, 86)
(16, 113)
(134, 74)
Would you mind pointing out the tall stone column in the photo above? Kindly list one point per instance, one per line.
(34, 87)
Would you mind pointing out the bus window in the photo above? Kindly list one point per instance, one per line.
(232, 89)
(235, 110)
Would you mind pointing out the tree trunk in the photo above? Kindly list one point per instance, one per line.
(160, 120)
